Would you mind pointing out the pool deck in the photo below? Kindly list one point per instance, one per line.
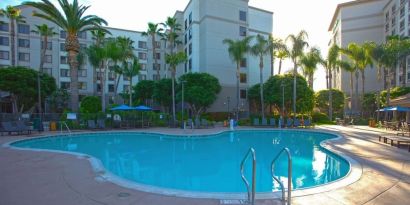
(47, 178)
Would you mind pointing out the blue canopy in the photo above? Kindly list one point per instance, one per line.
(122, 107)
(395, 108)
(142, 108)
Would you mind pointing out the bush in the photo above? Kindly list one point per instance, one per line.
(319, 117)
(90, 104)
(216, 116)
(244, 122)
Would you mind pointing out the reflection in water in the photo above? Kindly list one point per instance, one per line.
(210, 164)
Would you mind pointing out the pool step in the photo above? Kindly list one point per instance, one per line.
(257, 202)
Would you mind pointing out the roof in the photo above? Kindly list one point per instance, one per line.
(401, 101)
(347, 4)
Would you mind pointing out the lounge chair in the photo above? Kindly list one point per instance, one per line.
(264, 122)
(398, 139)
(281, 123)
(204, 123)
(9, 128)
(256, 122)
(197, 123)
(101, 123)
(272, 122)
(91, 124)
(289, 123)
(22, 127)
(307, 123)
(296, 123)
(190, 124)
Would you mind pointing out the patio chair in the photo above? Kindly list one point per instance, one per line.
(101, 123)
(190, 124)
(289, 123)
(9, 128)
(91, 124)
(256, 122)
(197, 123)
(204, 123)
(272, 122)
(351, 121)
(264, 122)
(280, 123)
(307, 123)
(296, 123)
(23, 127)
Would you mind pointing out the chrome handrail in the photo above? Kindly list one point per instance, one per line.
(251, 193)
(289, 175)
(61, 127)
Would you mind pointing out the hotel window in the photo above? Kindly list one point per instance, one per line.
(157, 56)
(190, 49)
(143, 66)
(185, 67)
(111, 76)
(190, 64)
(82, 73)
(157, 44)
(186, 24)
(190, 34)
(24, 57)
(62, 47)
(99, 74)
(126, 78)
(402, 12)
(4, 55)
(243, 78)
(401, 25)
(243, 94)
(110, 88)
(387, 28)
(82, 85)
(190, 18)
(49, 45)
(393, 32)
(387, 16)
(98, 87)
(126, 88)
(63, 34)
(393, 21)
(63, 60)
(156, 66)
(155, 77)
(23, 29)
(186, 39)
(48, 59)
(49, 71)
(83, 45)
(23, 43)
(142, 56)
(4, 27)
(242, 31)
(4, 41)
(393, 9)
(242, 15)
(243, 63)
(65, 85)
(82, 35)
(142, 77)
(65, 73)
(142, 44)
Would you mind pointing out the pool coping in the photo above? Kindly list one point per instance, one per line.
(102, 174)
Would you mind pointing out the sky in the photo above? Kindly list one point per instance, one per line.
(290, 17)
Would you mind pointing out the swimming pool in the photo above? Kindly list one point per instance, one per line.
(205, 163)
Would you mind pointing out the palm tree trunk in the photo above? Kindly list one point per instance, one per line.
(13, 42)
(43, 54)
(237, 90)
(261, 87)
(357, 91)
(351, 94)
(311, 80)
(102, 80)
(73, 46)
(363, 83)
(272, 63)
(154, 55)
(295, 72)
(116, 87)
(330, 97)
(94, 81)
(327, 78)
(130, 91)
(280, 66)
(173, 96)
(388, 93)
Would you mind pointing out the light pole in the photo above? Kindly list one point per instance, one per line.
(40, 125)
(183, 85)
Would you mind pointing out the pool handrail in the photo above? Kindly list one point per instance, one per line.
(251, 193)
(61, 127)
(289, 175)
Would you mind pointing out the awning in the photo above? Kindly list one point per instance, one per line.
(403, 101)
(395, 108)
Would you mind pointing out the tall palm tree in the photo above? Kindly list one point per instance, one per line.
(282, 54)
(73, 20)
(261, 49)
(45, 32)
(330, 64)
(309, 63)
(153, 31)
(347, 66)
(126, 48)
(237, 50)
(98, 36)
(274, 45)
(131, 69)
(173, 60)
(298, 44)
(14, 16)
(170, 34)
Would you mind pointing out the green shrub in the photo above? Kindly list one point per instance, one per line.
(244, 122)
(216, 116)
(321, 118)
(90, 104)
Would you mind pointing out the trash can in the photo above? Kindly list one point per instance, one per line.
(53, 126)
(37, 124)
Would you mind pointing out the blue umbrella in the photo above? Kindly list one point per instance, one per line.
(122, 107)
(142, 108)
(396, 108)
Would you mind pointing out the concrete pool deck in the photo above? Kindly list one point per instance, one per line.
(51, 178)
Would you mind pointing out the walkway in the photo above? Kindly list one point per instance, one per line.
(48, 178)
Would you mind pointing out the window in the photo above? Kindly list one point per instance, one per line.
(393, 9)
(186, 39)
(190, 34)
(49, 45)
(48, 59)
(24, 57)
(23, 29)
(190, 49)
(393, 21)
(23, 43)
(243, 63)
(126, 78)
(156, 66)
(63, 34)
(190, 64)
(62, 47)
(243, 78)
(82, 85)
(157, 44)
(110, 88)
(98, 87)
(387, 28)
(65, 85)
(4, 55)
(185, 67)
(401, 25)
(143, 66)
(65, 73)
(83, 45)
(4, 41)
(4, 27)
(157, 56)
(243, 94)
(82, 35)
(387, 16)
(142, 77)
(49, 71)
(242, 15)
(402, 12)
(82, 73)
(242, 31)
(126, 88)
(186, 24)
(156, 77)
(63, 60)
(142, 44)
(142, 56)
(111, 76)
(190, 18)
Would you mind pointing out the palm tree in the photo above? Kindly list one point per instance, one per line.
(14, 16)
(347, 66)
(45, 32)
(99, 37)
(153, 31)
(281, 55)
(309, 63)
(126, 48)
(173, 60)
(237, 50)
(170, 35)
(330, 64)
(274, 45)
(298, 43)
(260, 49)
(131, 70)
(73, 20)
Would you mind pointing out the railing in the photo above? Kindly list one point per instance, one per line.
(289, 175)
(61, 127)
(251, 190)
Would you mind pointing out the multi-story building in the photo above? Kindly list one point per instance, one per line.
(205, 23)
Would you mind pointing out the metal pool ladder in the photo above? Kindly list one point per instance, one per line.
(251, 190)
(289, 175)
(61, 127)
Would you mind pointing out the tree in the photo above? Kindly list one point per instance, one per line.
(201, 90)
(163, 92)
(173, 60)
(282, 54)
(99, 37)
(59, 100)
(153, 31)
(347, 66)
(260, 49)
(254, 96)
(90, 104)
(21, 82)
(298, 43)
(144, 90)
(274, 45)
(322, 101)
(309, 63)
(125, 53)
(130, 71)
(330, 64)
(237, 50)
(172, 28)
(394, 93)
(73, 20)
(14, 16)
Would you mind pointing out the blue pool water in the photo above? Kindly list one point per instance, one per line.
(205, 164)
